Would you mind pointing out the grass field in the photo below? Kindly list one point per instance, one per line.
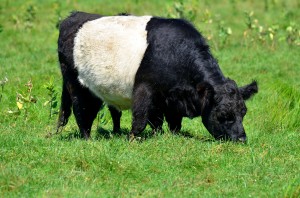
(251, 40)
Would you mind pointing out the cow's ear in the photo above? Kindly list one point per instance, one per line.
(249, 90)
(206, 93)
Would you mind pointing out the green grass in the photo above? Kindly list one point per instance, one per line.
(190, 164)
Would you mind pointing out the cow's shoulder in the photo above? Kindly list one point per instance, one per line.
(171, 28)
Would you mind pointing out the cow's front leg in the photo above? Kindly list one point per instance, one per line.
(142, 101)
(156, 114)
(174, 121)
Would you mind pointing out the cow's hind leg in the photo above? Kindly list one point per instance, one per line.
(116, 116)
(85, 108)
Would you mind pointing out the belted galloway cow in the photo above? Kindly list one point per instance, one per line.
(160, 68)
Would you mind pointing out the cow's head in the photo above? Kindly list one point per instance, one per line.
(223, 108)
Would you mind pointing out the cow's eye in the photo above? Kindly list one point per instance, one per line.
(230, 118)
(221, 119)
(230, 121)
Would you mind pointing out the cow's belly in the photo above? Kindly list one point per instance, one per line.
(107, 54)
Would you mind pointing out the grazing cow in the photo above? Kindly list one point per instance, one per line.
(157, 67)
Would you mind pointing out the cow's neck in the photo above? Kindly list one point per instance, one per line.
(209, 71)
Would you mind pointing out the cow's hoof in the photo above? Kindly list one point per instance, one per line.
(132, 138)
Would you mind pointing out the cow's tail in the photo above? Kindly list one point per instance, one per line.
(65, 108)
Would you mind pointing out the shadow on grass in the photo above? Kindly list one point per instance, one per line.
(147, 134)
(73, 135)
(187, 134)
(122, 133)
(102, 133)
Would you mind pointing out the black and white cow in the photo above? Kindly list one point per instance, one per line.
(157, 67)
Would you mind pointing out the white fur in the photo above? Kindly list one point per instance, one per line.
(107, 54)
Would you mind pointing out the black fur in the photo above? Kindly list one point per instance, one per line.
(178, 77)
